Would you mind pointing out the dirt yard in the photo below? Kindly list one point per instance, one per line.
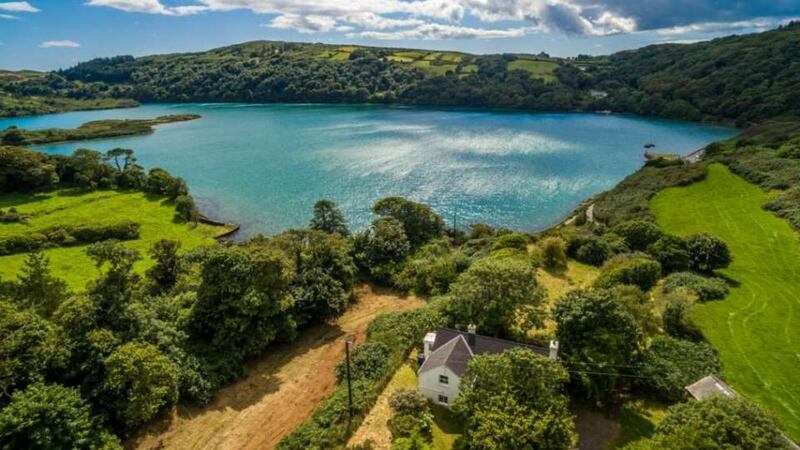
(281, 390)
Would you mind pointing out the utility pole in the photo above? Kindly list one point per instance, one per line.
(347, 341)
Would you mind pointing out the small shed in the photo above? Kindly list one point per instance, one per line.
(708, 387)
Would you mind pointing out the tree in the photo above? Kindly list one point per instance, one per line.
(185, 209)
(516, 241)
(140, 381)
(675, 318)
(168, 267)
(382, 249)
(597, 336)
(513, 400)
(638, 233)
(499, 296)
(719, 422)
(243, 301)
(554, 253)
(121, 157)
(37, 288)
(669, 365)
(328, 218)
(672, 252)
(635, 269)
(707, 253)
(408, 401)
(113, 290)
(13, 136)
(30, 347)
(52, 417)
(24, 169)
(419, 221)
(325, 273)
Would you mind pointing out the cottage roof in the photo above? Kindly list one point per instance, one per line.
(709, 386)
(453, 349)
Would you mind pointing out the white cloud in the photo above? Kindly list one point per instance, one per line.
(430, 31)
(8, 16)
(761, 23)
(304, 23)
(149, 7)
(18, 7)
(59, 44)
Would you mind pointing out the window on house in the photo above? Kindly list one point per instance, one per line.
(443, 399)
(444, 379)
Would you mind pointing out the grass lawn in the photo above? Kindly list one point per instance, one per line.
(757, 327)
(539, 69)
(375, 426)
(72, 207)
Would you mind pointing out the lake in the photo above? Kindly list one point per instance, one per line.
(264, 166)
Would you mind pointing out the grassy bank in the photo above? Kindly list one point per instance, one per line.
(68, 207)
(98, 129)
(757, 327)
(14, 106)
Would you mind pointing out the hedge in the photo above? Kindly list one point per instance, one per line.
(67, 236)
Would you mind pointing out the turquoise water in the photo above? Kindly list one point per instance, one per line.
(264, 166)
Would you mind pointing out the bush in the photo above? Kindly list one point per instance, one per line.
(185, 208)
(669, 365)
(67, 236)
(368, 361)
(704, 288)
(408, 401)
(707, 253)
(638, 233)
(406, 425)
(675, 318)
(554, 254)
(431, 274)
(511, 240)
(637, 269)
(672, 252)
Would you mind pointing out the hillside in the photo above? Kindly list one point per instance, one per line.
(739, 79)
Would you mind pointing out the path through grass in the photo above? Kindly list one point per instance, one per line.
(72, 207)
(757, 327)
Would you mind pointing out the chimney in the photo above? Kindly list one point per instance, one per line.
(428, 342)
(471, 329)
(553, 350)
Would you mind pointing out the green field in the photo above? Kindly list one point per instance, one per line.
(757, 327)
(71, 207)
(538, 69)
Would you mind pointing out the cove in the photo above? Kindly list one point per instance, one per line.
(264, 166)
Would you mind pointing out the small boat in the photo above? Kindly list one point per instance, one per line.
(649, 145)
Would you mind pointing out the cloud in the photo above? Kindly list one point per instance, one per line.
(18, 7)
(59, 44)
(149, 7)
(430, 31)
(8, 16)
(762, 23)
(381, 19)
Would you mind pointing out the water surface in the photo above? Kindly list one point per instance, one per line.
(264, 166)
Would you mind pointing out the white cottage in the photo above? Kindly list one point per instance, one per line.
(447, 352)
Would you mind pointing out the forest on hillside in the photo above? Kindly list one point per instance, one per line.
(736, 79)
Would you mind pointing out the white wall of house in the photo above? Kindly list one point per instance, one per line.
(432, 386)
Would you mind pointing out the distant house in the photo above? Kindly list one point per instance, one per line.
(447, 353)
(708, 387)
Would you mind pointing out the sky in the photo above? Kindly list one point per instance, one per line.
(52, 34)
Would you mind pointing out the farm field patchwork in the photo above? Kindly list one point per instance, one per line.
(537, 68)
(69, 207)
(757, 327)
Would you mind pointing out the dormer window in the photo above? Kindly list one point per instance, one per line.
(444, 379)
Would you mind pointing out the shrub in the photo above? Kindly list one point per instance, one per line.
(638, 233)
(704, 288)
(67, 236)
(675, 318)
(707, 253)
(672, 252)
(511, 240)
(669, 365)
(554, 254)
(431, 274)
(406, 425)
(368, 361)
(408, 401)
(185, 208)
(637, 269)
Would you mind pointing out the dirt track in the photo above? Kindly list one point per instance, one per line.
(281, 390)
